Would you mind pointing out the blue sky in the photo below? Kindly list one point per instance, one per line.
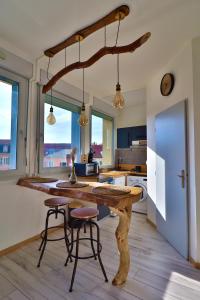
(97, 130)
(5, 110)
(60, 132)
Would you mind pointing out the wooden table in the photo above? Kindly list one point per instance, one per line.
(121, 205)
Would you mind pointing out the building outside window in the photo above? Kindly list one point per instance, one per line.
(102, 138)
(61, 137)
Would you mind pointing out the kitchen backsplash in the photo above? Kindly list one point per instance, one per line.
(136, 156)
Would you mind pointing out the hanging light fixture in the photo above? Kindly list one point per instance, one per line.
(118, 101)
(51, 120)
(83, 120)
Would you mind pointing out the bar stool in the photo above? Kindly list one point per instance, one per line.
(54, 204)
(84, 216)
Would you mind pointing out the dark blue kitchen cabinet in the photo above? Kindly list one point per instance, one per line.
(126, 135)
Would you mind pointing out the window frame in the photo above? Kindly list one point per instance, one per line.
(101, 114)
(64, 102)
(21, 159)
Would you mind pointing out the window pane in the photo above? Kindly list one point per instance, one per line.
(102, 130)
(8, 124)
(60, 137)
(57, 137)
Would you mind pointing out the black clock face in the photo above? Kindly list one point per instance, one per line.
(167, 84)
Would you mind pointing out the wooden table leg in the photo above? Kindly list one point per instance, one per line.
(122, 243)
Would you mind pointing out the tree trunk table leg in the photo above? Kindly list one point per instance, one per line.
(122, 243)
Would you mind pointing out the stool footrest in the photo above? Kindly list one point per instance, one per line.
(86, 257)
(56, 239)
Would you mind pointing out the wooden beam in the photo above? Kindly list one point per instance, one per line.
(119, 13)
(94, 58)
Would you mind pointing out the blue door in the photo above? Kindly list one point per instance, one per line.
(171, 177)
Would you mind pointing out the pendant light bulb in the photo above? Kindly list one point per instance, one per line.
(51, 120)
(118, 101)
(83, 120)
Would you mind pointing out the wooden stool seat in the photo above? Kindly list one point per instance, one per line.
(56, 202)
(84, 213)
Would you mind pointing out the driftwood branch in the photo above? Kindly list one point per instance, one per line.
(94, 58)
(120, 12)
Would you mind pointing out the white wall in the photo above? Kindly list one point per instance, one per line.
(134, 115)
(134, 112)
(22, 213)
(181, 67)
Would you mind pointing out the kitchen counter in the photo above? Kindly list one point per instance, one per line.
(116, 174)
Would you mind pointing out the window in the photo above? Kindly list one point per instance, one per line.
(13, 92)
(8, 123)
(62, 136)
(102, 138)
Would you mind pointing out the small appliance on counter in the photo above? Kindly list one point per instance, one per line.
(86, 169)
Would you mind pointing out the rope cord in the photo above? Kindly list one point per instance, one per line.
(48, 78)
(65, 57)
(118, 53)
(117, 68)
(83, 86)
(105, 36)
(79, 50)
(48, 68)
(117, 33)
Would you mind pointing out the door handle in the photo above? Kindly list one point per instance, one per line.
(182, 176)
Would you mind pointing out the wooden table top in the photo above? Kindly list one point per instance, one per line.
(84, 193)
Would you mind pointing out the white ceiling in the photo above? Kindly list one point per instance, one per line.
(31, 26)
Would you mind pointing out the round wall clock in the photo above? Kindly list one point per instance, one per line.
(167, 84)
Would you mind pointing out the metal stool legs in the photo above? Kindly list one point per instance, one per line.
(99, 250)
(92, 242)
(76, 259)
(43, 243)
(44, 239)
(76, 255)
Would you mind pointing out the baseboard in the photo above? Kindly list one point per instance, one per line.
(24, 243)
(194, 263)
(150, 222)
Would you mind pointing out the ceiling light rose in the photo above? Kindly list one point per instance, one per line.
(118, 101)
(83, 120)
